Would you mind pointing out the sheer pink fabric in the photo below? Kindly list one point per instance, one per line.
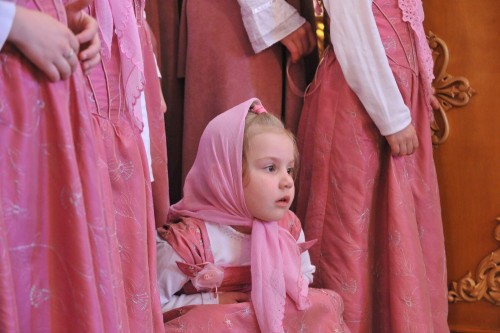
(124, 164)
(59, 260)
(377, 218)
(214, 192)
(155, 107)
(118, 18)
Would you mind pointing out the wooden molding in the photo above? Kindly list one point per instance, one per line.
(485, 285)
(449, 90)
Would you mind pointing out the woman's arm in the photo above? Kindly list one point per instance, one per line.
(361, 55)
(270, 21)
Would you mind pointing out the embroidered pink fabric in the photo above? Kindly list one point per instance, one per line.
(122, 15)
(213, 191)
(413, 13)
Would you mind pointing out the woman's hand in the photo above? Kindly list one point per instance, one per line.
(85, 28)
(404, 142)
(300, 42)
(46, 42)
(232, 297)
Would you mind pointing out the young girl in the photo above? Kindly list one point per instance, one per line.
(367, 187)
(230, 259)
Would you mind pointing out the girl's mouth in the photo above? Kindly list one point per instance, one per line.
(284, 201)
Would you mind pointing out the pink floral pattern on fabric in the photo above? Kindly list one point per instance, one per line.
(60, 260)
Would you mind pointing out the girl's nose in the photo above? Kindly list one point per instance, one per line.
(286, 181)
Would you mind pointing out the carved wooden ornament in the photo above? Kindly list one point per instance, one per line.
(450, 91)
(485, 285)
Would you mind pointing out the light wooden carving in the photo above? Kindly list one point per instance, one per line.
(450, 91)
(485, 285)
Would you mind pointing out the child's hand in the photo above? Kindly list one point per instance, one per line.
(404, 142)
(46, 42)
(300, 42)
(85, 27)
(232, 297)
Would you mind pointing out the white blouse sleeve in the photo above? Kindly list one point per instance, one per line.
(361, 55)
(268, 21)
(171, 280)
(7, 13)
(307, 268)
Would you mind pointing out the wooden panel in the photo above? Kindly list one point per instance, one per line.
(468, 163)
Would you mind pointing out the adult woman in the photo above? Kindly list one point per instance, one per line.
(367, 187)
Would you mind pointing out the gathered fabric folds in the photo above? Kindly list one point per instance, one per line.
(59, 255)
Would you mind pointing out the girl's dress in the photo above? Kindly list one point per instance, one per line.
(185, 247)
(126, 108)
(230, 52)
(377, 217)
(59, 260)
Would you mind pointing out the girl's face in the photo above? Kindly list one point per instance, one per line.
(269, 188)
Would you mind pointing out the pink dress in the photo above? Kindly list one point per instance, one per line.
(190, 240)
(123, 162)
(228, 71)
(59, 260)
(377, 218)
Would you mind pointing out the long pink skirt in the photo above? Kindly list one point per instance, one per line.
(376, 217)
(59, 260)
(124, 164)
(324, 315)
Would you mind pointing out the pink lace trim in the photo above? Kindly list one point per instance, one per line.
(413, 13)
(121, 14)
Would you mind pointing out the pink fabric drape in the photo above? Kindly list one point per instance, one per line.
(124, 163)
(59, 255)
(117, 19)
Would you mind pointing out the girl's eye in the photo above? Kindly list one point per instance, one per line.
(290, 171)
(270, 168)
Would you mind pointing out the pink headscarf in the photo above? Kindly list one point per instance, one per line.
(213, 192)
